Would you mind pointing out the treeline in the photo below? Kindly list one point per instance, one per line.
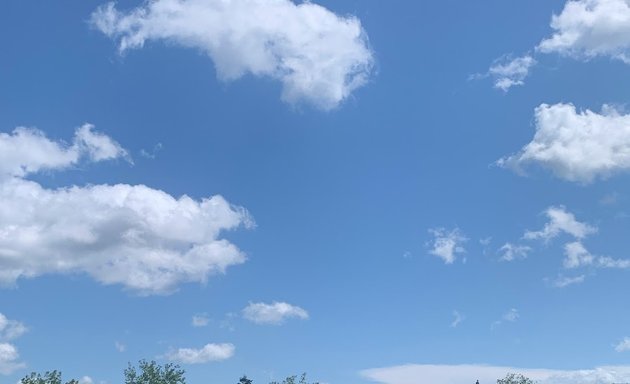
(148, 372)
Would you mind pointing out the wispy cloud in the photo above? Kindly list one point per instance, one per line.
(200, 320)
(458, 318)
(510, 316)
(560, 221)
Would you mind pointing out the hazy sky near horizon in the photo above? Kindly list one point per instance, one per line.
(363, 190)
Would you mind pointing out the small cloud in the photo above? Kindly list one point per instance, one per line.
(560, 221)
(457, 320)
(200, 320)
(86, 380)
(153, 153)
(446, 244)
(510, 316)
(208, 353)
(624, 345)
(275, 313)
(513, 252)
(120, 347)
(564, 281)
(508, 72)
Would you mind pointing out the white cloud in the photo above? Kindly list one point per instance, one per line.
(11, 329)
(560, 221)
(275, 313)
(578, 256)
(512, 252)
(508, 72)
(564, 281)
(457, 320)
(576, 146)
(9, 356)
(86, 380)
(142, 238)
(28, 150)
(590, 28)
(318, 56)
(209, 352)
(455, 374)
(447, 244)
(624, 345)
(9, 359)
(608, 262)
(200, 320)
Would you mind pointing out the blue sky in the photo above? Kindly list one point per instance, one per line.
(365, 191)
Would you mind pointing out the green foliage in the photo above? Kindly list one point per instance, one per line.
(245, 380)
(515, 378)
(293, 380)
(153, 373)
(53, 377)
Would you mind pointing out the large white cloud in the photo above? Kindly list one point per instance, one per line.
(275, 313)
(576, 146)
(318, 56)
(589, 28)
(456, 374)
(139, 237)
(208, 353)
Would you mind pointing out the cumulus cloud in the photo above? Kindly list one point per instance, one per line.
(508, 72)
(455, 374)
(9, 356)
(86, 380)
(318, 56)
(208, 353)
(139, 237)
(511, 252)
(275, 313)
(447, 244)
(560, 221)
(590, 28)
(624, 345)
(576, 146)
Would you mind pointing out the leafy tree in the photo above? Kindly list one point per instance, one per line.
(245, 380)
(515, 378)
(153, 373)
(53, 377)
(293, 380)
